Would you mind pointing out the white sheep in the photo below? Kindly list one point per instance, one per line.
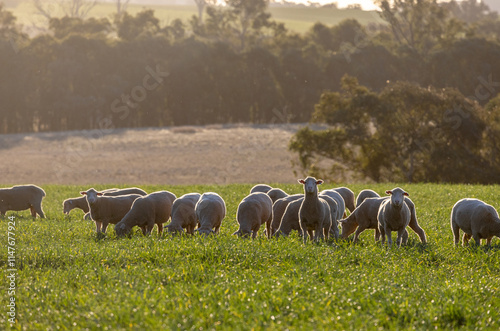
(183, 214)
(253, 211)
(279, 208)
(348, 197)
(105, 210)
(276, 193)
(264, 188)
(366, 194)
(314, 212)
(145, 212)
(393, 215)
(340, 204)
(81, 202)
(22, 197)
(210, 211)
(476, 219)
(290, 219)
(333, 227)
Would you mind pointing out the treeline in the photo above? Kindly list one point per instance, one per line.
(237, 65)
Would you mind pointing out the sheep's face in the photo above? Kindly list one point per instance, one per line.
(310, 185)
(397, 196)
(91, 195)
(121, 230)
(67, 207)
(348, 225)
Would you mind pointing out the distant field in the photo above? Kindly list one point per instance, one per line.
(67, 279)
(298, 19)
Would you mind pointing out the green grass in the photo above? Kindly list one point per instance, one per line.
(67, 279)
(298, 19)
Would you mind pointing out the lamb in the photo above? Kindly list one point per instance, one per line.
(106, 209)
(81, 202)
(276, 193)
(279, 208)
(348, 197)
(314, 211)
(476, 219)
(366, 194)
(210, 211)
(146, 211)
(183, 214)
(253, 211)
(365, 217)
(264, 188)
(393, 215)
(22, 197)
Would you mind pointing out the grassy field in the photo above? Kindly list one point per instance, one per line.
(298, 19)
(67, 279)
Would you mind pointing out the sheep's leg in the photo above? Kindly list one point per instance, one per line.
(465, 239)
(254, 234)
(405, 237)
(360, 229)
(476, 238)
(418, 230)
(326, 234)
(33, 212)
(382, 235)
(377, 234)
(190, 229)
(104, 227)
(268, 229)
(389, 237)
(400, 239)
(39, 211)
(98, 226)
(456, 232)
(160, 228)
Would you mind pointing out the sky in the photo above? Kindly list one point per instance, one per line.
(365, 4)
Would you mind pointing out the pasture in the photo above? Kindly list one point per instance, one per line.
(68, 279)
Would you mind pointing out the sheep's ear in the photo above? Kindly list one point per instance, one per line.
(99, 193)
(319, 182)
(406, 193)
(83, 193)
(388, 192)
(301, 181)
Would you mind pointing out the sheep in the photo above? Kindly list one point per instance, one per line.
(365, 217)
(279, 208)
(210, 211)
(366, 194)
(183, 214)
(393, 215)
(276, 193)
(81, 202)
(253, 211)
(146, 211)
(340, 206)
(314, 211)
(333, 227)
(264, 188)
(476, 219)
(106, 209)
(22, 197)
(348, 197)
(290, 219)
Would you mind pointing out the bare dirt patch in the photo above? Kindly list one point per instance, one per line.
(169, 156)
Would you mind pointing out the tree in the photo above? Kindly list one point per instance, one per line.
(201, 4)
(71, 8)
(144, 23)
(121, 6)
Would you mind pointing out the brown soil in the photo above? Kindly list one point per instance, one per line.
(169, 156)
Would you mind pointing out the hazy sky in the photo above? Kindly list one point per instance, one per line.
(366, 4)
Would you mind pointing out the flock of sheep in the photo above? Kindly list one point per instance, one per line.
(315, 215)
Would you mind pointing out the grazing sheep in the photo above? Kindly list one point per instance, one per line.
(183, 214)
(279, 208)
(290, 219)
(146, 211)
(366, 194)
(276, 193)
(253, 211)
(476, 219)
(210, 211)
(340, 203)
(264, 188)
(365, 217)
(393, 215)
(348, 197)
(314, 211)
(333, 227)
(22, 197)
(81, 202)
(106, 209)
